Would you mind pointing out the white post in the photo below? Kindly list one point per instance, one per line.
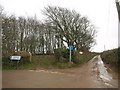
(70, 56)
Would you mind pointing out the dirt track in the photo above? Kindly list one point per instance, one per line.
(84, 76)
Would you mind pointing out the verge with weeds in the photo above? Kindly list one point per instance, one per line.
(59, 60)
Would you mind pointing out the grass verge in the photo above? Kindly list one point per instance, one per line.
(46, 62)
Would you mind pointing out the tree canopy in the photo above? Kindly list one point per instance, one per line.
(71, 27)
(32, 35)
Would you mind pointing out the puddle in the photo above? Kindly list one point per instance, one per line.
(103, 74)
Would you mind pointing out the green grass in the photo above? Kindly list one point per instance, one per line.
(85, 57)
(49, 61)
(14, 65)
(46, 62)
(38, 61)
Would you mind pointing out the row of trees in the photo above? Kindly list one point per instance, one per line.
(27, 35)
(31, 35)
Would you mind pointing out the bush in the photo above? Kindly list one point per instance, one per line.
(57, 53)
(75, 57)
(25, 56)
(5, 62)
(62, 58)
(63, 65)
(61, 54)
(82, 58)
(112, 57)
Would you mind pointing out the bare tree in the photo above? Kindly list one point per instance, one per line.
(71, 27)
(9, 34)
(1, 10)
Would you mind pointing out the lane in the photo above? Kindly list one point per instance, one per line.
(85, 76)
(101, 71)
(28, 79)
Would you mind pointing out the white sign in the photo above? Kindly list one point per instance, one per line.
(15, 57)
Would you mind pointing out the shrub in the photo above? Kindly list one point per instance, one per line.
(25, 56)
(62, 58)
(112, 57)
(75, 57)
(62, 65)
(61, 54)
(65, 53)
(58, 54)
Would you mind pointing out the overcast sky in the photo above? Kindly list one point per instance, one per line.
(101, 13)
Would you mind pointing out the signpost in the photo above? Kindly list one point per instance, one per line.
(15, 58)
(70, 48)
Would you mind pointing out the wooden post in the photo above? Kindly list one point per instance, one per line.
(30, 56)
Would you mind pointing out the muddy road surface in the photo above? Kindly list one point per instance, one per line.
(93, 74)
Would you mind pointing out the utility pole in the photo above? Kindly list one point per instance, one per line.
(118, 9)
